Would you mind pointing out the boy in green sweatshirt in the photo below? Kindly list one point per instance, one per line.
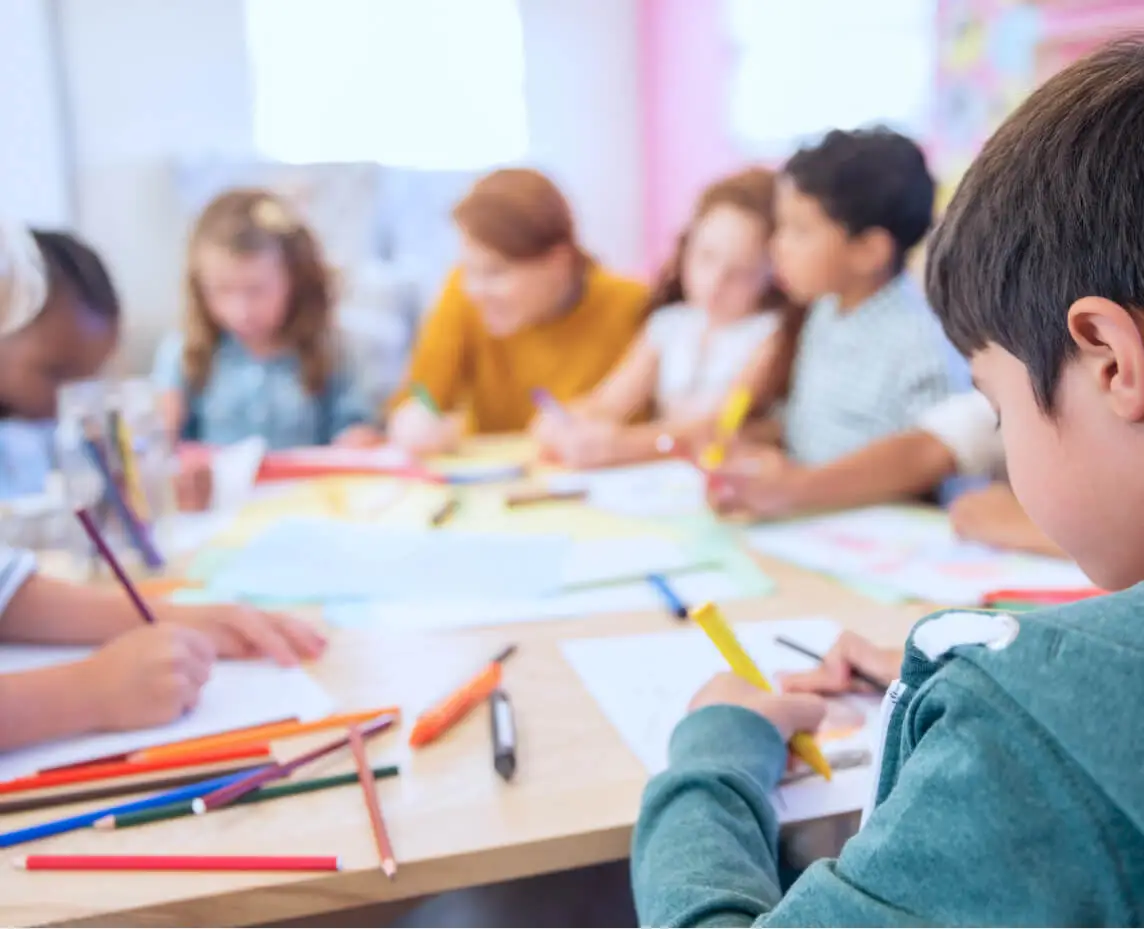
(1011, 789)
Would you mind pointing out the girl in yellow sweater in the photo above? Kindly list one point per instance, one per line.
(526, 311)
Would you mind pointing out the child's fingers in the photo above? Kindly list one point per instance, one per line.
(263, 636)
(304, 639)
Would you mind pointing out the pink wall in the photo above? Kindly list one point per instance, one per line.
(686, 65)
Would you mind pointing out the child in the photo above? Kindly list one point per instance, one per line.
(259, 355)
(1009, 791)
(958, 436)
(870, 359)
(718, 321)
(62, 324)
(527, 309)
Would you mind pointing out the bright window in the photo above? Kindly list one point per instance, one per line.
(804, 67)
(434, 84)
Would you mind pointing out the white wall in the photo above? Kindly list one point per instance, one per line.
(585, 116)
(34, 184)
(149, 81)
(154, 80)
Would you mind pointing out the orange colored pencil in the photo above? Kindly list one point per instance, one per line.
(369, 788)
(434, 723)
(100, 772)
(261, 734)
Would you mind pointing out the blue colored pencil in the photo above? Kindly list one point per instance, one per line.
(83, 820)
(674, 604)
(138, 532)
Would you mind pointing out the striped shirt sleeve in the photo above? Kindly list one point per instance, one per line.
(16, 566)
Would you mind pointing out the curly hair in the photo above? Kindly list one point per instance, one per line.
(248, 222)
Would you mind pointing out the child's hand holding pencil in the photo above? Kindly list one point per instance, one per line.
(789, 713)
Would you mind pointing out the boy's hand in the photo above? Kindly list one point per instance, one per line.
(146, 677)
(421, 432)
(789, 713)
(237, 631)
(357, 437)
(761, 482)
(836, 673)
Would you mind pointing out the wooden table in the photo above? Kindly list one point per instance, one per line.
(453, 822)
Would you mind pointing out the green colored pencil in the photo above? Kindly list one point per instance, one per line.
(176, 810)
(426, 399)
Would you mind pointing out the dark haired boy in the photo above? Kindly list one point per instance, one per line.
(871, 359)
(1010, 785)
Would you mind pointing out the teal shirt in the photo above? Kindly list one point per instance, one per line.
(1011, 793)
(246, 396)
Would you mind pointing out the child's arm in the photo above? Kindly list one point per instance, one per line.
(627, 390)
(994, 516)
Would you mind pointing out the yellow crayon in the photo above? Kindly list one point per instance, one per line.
(131, 477)
(711, 621)
(735, 410)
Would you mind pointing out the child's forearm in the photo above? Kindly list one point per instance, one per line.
(57, 613)
(898, 468)
(45, 704)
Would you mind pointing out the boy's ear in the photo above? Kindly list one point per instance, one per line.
(872, 251)
(1111, 349)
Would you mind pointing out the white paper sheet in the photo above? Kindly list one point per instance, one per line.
(664, 488)
(643, 684)
(238, 694)
(634, 596)
(911, 551)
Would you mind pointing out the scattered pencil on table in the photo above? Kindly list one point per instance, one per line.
(178, 863)
(263, 794)
(675, 605)
(435, 722)
(520, 498)
(711, 621)
(365, 776)
(85, 519)
(425, 398)
(503, 734)
(809, 653)
(228, 794)
(1036, 597)
(445, 512)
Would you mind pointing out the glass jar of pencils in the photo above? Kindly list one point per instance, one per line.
(115, 463)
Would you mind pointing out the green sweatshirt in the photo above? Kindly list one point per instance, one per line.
(1011, 792)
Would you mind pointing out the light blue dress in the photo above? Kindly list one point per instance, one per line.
(27, 453)
(246, 396)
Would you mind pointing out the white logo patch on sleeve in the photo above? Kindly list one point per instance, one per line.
(937, 637)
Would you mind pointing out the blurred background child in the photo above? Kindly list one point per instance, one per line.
(259, 354)
(718, 320)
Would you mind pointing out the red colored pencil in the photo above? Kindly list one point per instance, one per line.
(231, 792)
(372, 804)
(100, 772)
(100, 543)
(1047, 597)
(178, 863)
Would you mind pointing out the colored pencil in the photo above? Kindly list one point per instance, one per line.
(258, 735)
(214, 799)
(445, 512)
(99, 772)
(83, 820)
(365, 776)
(531, 497)
(735, 410)
(803, 650)
(178, 863)
(711, 621)
(122, 435)
(425, 398)
(289, 789)
(119, 788)
(1047, 597)
(140, 537)
(104, 549)
(844, 760)
(435, 722)
(676, 606)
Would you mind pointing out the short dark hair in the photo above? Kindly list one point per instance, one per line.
(869, 179)
(73, 264)
(1052, 210)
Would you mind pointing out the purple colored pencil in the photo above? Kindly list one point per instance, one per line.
(104, 549)
(240, 788)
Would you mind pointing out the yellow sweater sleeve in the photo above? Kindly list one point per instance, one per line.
(437, 361)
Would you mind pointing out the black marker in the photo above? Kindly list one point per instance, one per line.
(504, 734)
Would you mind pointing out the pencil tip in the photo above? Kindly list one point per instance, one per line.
(198, 807)
(104, 822)
(389, 866)
(20, 864)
